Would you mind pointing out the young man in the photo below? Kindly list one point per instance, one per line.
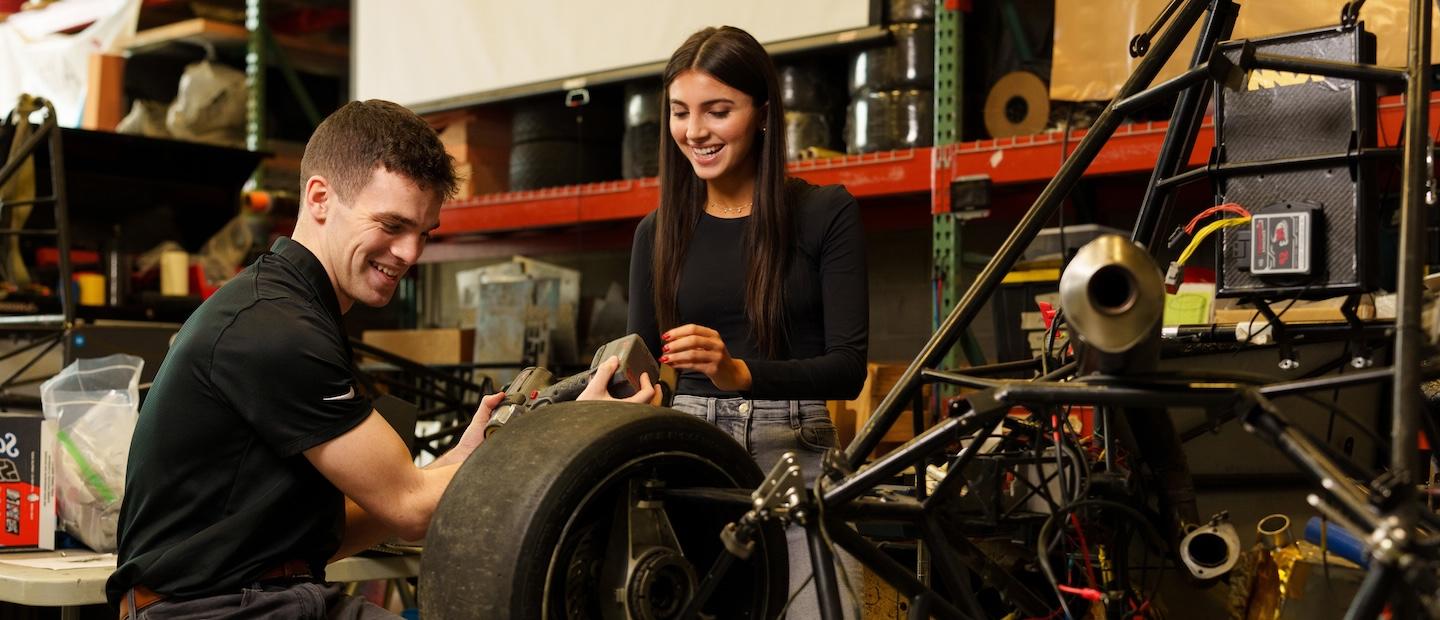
(255, 463)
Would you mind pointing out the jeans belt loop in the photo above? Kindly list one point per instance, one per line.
(794, 414)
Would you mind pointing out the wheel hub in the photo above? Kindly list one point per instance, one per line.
(661, 582)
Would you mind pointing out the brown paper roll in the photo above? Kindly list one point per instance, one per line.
(1018, 105)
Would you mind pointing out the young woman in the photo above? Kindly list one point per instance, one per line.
(751, 285)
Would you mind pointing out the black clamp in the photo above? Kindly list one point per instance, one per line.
(1350, 13)
(1139, 44)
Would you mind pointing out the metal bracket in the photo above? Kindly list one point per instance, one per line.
(1358, 345)
(1288, 358)
(834, 465)
(577, 97)
(782, 490)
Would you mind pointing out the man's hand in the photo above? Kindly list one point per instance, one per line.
(696, 347)
(597, 388)
(474, 434)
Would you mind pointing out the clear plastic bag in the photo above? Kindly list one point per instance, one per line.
(146, 118)
(210, 105)
(95, 404)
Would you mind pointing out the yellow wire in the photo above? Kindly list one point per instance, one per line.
(1206, 231)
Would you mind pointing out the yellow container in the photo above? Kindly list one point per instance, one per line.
(92, 288)
(174, 273)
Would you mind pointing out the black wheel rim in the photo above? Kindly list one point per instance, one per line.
(572, 581)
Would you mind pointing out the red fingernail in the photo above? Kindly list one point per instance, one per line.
(665, 336)
(665, 348)
(664, 358)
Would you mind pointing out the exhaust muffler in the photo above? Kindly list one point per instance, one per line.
(1113, 297)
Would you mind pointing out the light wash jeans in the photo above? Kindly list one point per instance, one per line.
(769, 429)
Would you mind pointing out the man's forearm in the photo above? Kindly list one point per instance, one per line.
(450, 457)
(362, 531)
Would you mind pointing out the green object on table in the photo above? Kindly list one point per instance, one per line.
(87, 472)
(1187, 308)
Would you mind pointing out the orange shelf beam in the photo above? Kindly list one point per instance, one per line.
(875, 174)
(1133, 149)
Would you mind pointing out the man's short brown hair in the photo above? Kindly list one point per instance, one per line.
(364, 135)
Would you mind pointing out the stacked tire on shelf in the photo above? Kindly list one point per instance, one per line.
(640, 149)
(892, 87)
(810, 105)
(554, 143)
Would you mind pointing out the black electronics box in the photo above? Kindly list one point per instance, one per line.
(1277, 115)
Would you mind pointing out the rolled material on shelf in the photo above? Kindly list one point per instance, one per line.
(803, 88)
(804, 130)
(642, 104)
(907, 63)
(640, 152)
(889, 120)
(640, 146)
(1017, 105)
(550, 118)
(548, 163)
(922, 11)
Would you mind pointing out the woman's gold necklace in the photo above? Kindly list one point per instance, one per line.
(731, 210)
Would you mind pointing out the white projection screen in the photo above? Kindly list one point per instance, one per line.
(421, 53)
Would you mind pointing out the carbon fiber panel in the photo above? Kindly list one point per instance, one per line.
(1276, 115)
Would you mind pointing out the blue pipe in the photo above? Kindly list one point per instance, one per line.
(1338, 540)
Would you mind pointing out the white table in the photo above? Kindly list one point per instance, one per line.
(70, 589)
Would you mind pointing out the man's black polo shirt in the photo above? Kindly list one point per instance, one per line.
(218, 490)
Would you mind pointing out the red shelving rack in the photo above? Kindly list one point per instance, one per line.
(1008, 161)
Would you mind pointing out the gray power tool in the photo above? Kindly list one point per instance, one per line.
(536, 387)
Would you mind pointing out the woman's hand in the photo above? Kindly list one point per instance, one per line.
(699, 348)
(598, 388)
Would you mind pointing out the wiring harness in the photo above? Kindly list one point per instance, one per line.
(1175, 274)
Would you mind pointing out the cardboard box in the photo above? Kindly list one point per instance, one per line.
(27, 481)
(881, 600)
(426, 346)
(479, 140)
(880, 378)
(1091, 58)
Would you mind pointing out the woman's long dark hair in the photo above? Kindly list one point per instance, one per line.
(734, 57)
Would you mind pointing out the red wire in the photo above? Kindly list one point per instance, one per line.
(1229, 207)
(1089, 594)
(1084, 549)
(1140, 611)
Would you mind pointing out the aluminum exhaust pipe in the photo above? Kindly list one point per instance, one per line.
(1113, 295)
